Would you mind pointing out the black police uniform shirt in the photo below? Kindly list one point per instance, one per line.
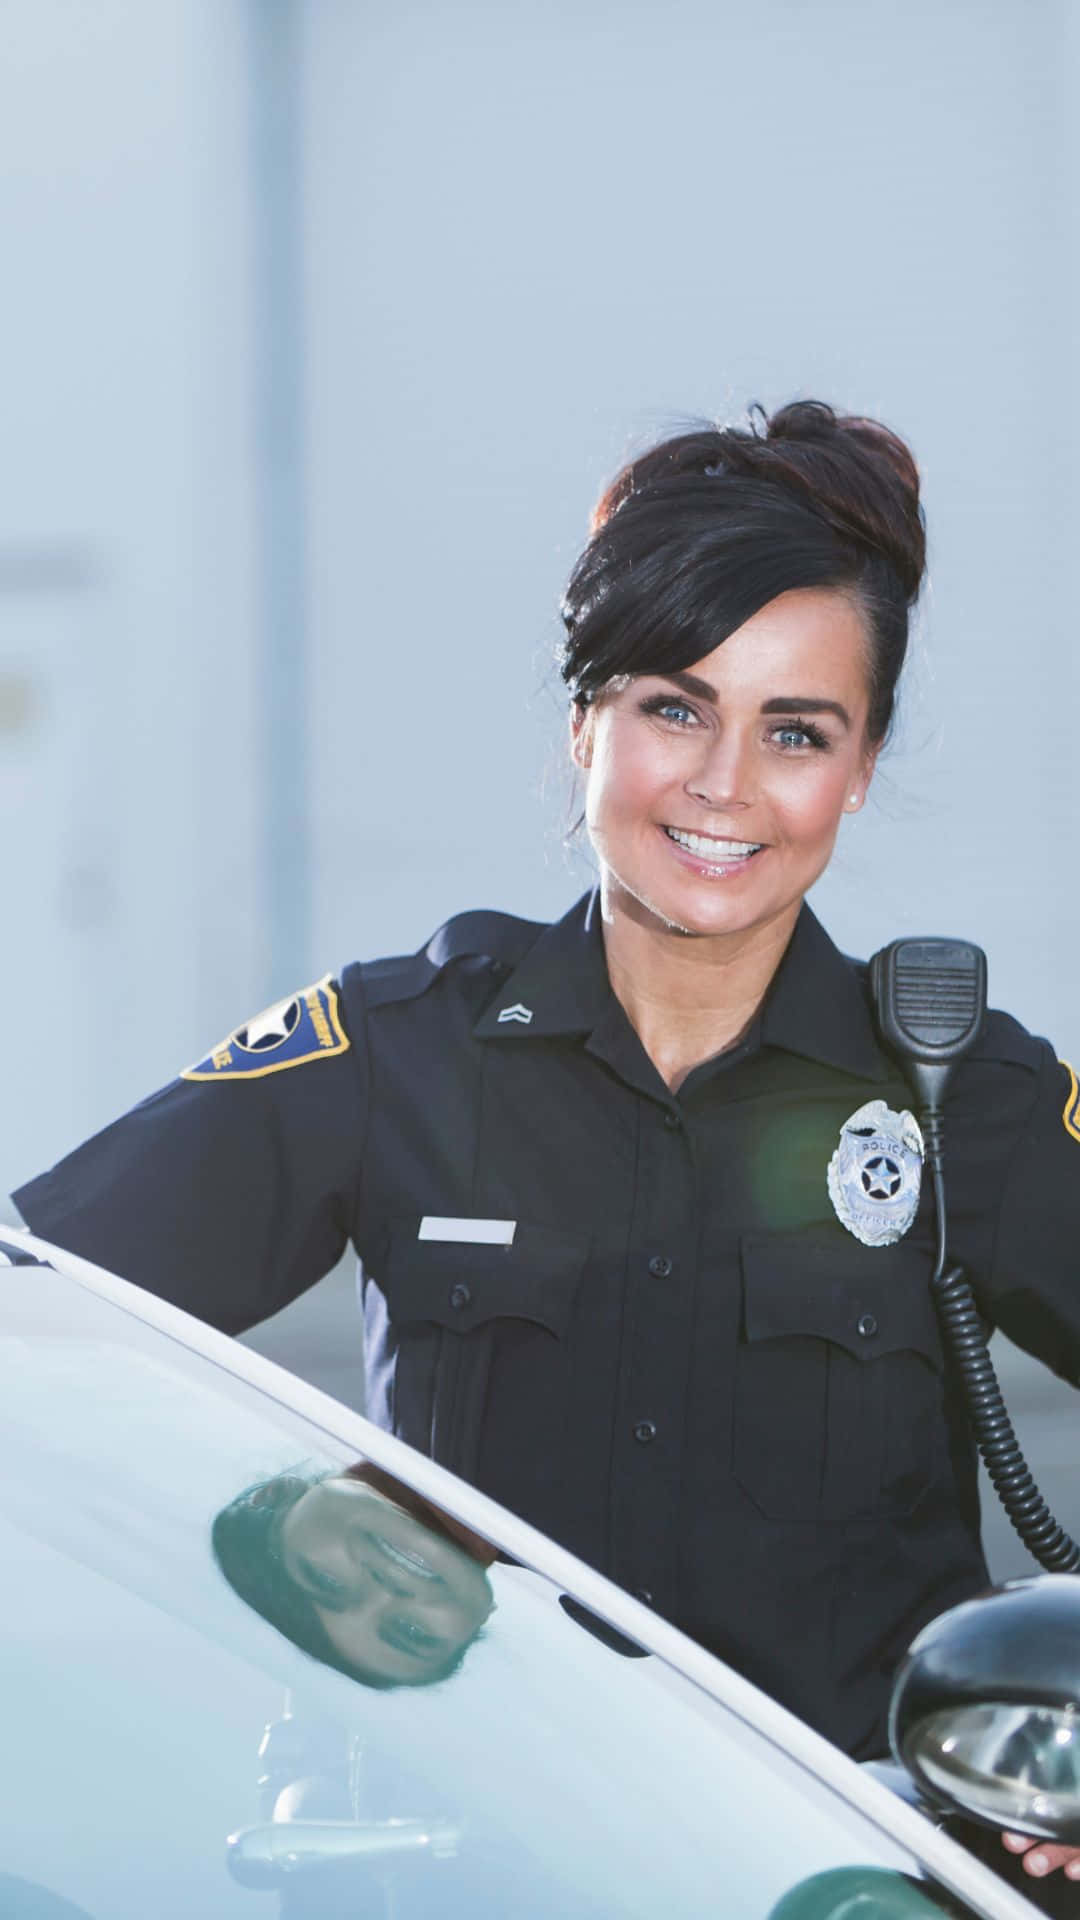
(651, 1335)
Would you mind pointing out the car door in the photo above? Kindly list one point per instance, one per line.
(198, 1721)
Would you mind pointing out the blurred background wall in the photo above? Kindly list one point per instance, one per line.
(323, 322)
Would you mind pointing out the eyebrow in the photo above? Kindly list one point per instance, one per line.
(781, 702)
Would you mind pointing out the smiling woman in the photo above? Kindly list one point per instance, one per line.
(713, 804)
(765, 578)
(358, 1571)
(645, 1247)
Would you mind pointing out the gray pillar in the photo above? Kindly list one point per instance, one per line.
(280, 531)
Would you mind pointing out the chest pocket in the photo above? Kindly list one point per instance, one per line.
(839, 1393)
(450, 1304)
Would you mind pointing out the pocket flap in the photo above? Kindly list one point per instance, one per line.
(868, 1300)
(461, 1286)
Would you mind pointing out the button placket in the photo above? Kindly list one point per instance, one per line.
(663, 1241)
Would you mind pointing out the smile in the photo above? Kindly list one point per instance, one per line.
(717, 852)
(409, 1562)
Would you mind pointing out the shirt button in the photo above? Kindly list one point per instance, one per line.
(460, 1295)
(659, 1266)
(644, 1595)
(644, 1431)
(672, 1121)
(867, 1325)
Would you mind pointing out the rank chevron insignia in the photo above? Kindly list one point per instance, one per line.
(516, 1012)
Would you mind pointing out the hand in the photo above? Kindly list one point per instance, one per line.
(1041, 1858)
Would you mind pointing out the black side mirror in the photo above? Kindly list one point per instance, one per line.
(985, 1710)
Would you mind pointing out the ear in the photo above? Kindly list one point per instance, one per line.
(581, 735)
(860, 786)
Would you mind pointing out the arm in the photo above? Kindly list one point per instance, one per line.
(231, 1190)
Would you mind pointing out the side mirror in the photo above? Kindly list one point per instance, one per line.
(985, 1710)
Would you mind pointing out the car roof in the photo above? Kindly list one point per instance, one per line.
(943, 1858)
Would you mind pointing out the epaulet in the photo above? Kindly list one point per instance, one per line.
(480, 935)
(1003, 1038)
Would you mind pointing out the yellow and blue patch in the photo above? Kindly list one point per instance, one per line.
(305, 1027)
(1071, 1111)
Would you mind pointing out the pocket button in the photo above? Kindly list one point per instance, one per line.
(866, 1325)
(460, 1295)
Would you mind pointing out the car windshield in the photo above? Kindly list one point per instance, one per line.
(221, 1625)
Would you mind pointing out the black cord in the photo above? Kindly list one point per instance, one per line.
(965, 1339)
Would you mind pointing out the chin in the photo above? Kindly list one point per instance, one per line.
(684, 911)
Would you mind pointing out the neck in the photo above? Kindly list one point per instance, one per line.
(687, 996)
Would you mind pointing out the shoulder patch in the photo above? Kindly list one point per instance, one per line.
(1070, 1113)
(305, 1027)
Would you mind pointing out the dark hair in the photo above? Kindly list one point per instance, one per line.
(246, 1542)
(703, 530)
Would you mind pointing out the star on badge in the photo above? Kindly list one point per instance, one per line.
(875, 1175)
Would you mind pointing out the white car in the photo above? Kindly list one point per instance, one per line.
(259, 1656)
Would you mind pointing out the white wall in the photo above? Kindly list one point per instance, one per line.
(126, 642)
(535, 236)
(541, 234)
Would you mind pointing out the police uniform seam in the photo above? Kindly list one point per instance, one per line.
(1004, 1185)
(1072, 1102)
(361, 1040)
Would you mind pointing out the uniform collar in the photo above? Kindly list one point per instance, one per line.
(816, 1006)
(561, 984)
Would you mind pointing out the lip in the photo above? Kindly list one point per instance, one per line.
(708, 869)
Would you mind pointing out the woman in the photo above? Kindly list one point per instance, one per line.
(356, 1570)
(586, 1165)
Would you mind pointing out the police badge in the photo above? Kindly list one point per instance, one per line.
(875, 1175)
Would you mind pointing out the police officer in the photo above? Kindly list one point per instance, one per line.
(607, 1273)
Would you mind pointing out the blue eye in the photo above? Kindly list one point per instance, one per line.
(665, 708)
(322, 1582)
(793, 735)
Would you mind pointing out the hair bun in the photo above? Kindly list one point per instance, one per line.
(855, 472)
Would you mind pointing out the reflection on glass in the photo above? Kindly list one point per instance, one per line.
(358, 1571)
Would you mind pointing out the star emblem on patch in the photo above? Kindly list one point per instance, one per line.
(269, 1029)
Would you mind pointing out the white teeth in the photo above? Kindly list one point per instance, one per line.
(713, 849)
(412, 1562)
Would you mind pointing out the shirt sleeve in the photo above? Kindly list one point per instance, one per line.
(1034, 1290)
(231, 1190)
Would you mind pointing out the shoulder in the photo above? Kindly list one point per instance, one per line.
(477, 942)
(1003, 1041)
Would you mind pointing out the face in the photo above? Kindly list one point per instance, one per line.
(714, 795)
(396, 1600)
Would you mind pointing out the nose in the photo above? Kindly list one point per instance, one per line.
(723, 778)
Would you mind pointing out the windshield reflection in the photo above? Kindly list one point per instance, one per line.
(359, 1571)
